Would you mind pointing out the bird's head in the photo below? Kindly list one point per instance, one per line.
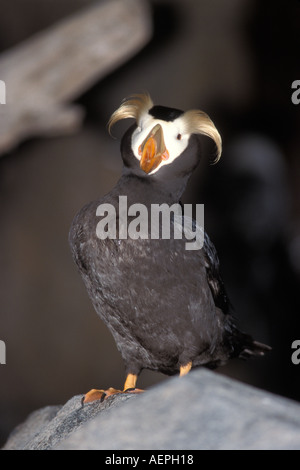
(163, 141)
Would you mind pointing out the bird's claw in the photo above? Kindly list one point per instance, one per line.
(94, 394)
(133, 390)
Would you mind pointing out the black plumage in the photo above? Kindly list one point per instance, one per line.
(165, 306)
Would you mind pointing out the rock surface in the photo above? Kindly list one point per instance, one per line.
(203, 410)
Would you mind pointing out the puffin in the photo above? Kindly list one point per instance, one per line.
(164, 303)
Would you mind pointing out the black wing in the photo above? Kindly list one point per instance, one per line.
(214, 278)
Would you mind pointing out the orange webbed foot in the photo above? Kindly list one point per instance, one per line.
(95, 394)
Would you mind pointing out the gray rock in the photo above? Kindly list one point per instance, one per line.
(34, 424)
(203, 410)
(47, 427)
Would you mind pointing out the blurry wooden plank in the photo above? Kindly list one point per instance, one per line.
(43, 74)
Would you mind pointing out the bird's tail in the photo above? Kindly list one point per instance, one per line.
(243, 345)
(253, 348)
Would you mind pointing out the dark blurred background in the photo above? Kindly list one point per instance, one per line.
(235, 59)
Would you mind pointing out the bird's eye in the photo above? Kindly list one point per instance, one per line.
(179, 136)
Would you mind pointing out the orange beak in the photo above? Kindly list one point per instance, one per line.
(153, 150)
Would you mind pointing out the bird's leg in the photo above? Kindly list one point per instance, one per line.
(185, 369)
(129, 387)
(130, 382)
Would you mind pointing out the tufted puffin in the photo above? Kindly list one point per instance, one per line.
(165, 305)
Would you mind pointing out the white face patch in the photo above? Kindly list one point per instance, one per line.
(176, 140)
